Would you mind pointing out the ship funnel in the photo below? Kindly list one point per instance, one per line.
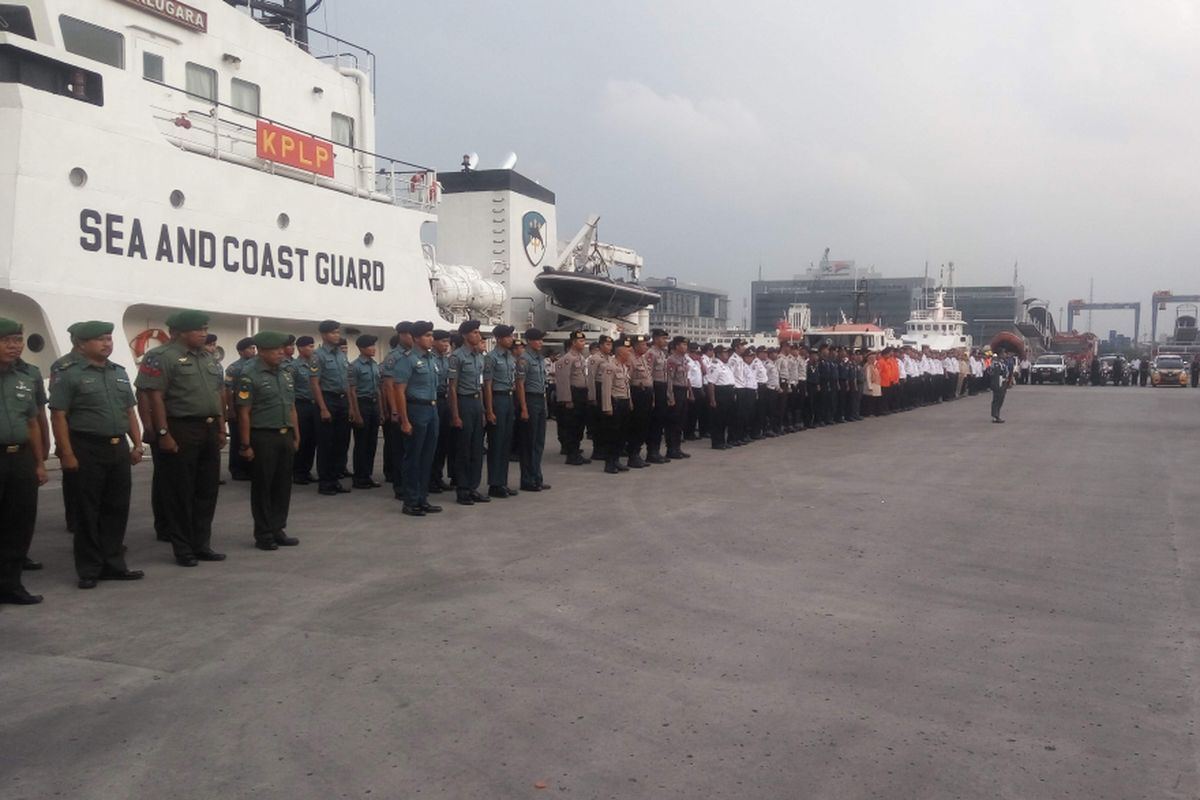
(509, 161)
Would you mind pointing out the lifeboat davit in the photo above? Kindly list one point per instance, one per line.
(1007, 340)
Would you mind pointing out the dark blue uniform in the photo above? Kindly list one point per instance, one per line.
(366, 436)
(418, 374)
(333, 435)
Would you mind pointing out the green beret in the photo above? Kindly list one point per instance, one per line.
(10, 327)
(187, 320)
(91, 329)
(269, 340)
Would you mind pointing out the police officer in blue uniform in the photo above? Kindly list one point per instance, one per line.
(303, 367)
(443, 456)
(414, 396)
(531, 397)
(366, 376)
(393, 440)
(464, 396)
(499, 382)
(336, 406)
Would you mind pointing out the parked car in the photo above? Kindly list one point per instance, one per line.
(1050, 368)
(1169, 370)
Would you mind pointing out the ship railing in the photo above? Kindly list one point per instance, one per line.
(931, 314)
(214, 130)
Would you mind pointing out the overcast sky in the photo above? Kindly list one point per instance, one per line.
(712, 137)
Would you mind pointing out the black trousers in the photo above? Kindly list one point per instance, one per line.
(18, 510)
(743, 420)
(829, 394)
(190, 479)
(390, 433)
(612, 430)
(701, 410)
(760, 412)
(719, 418)
(307, 416)
(102, 486)
(640, 404)
(366, 439)
(270, 481)
(658, 419)
(533, 440)
(570, 421)
(998, 396)
(676, 416)
(156, 494)
(333, 440)
(443, 455)
(500, 439)
(239, 468)
(468, 445)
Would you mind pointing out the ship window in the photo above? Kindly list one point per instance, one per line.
(152, 66)
(16, 19)
(343, 130)
(201, 82)
(92, 41)
(244, 96)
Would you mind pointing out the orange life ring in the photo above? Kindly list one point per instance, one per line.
(142, 340)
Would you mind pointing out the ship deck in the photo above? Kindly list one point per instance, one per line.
(1012, 615)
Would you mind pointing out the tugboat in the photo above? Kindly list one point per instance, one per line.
(938, 328)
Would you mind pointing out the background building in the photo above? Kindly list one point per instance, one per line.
(697, 312)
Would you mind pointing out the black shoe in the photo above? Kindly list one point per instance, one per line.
(465, 500)
(435, 488)
(29, 565)
(529, 487)
(679, 454)
(283, 540)
(497, 491)
(86, 583)
(545, 487)
(620, 467)
(327, 490)
(431, 509)
(635, 462)
(241, 476)
(440, 485)
(345, 474)
(301, 480)
(511, 492)
(655, 458)
(367, 484)
(161, 538)
(123, 575)
(220, 482)
(611, 468)
(412, 511)
(479, 498)
(209, 555)
(997, 419)
(266, 545)
(186, 561)
(577, 460)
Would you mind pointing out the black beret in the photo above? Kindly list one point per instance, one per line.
(420, 328)
(366, 340)
(577, 335)
(467, 326)
(342, 341)
(440, 335)
(604, 337)
(706, 347)
(291, 339)
(304, 341)
(534, 335)
(247, 342)
(623, 341)
(720, 348)
(678, 340)
(658, 332)
(9, 327)
(641, 338)
(404, 327)
(760, 349)
(694, 347)
(500, 331)
(328, 326)
(210, 339)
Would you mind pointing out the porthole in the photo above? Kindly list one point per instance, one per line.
(35, 343)
(369, 239)
(78, 177)
(283, 220)
(177, 199)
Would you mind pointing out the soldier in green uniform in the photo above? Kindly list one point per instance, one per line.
(366, 429)
(22, 466)
(464, 386)
(531, 396)
(239, 470)
(150, 437)
(92, 407)
(184, 384)
(499, 378)
(39, 386)
(270, 435)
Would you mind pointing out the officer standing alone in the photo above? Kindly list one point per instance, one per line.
(270, 435)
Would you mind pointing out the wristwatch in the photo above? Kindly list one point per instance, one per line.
(163, 432)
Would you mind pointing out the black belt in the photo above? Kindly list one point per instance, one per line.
(9, 449)
(441, 395)
(420, 402)
(97, 438)
(332, 392)
(367, 399)
(474, 396)
(501, 391)
(205, 420)
(273, 430)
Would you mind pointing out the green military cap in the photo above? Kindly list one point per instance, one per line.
(188, 320)
(267, 340)
(10, 327)
(91, 329)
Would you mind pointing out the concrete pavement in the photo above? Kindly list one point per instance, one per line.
(924, 606)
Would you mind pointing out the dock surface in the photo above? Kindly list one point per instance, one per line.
(922, 606)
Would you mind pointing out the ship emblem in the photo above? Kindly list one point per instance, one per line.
(533, 234)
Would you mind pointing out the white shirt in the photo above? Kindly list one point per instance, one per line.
(772, 370)
(719, 374)
(801, 369)
(760, 372)
(695, 374)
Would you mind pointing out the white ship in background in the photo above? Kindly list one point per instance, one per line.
(939, 327)
(161, 154)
